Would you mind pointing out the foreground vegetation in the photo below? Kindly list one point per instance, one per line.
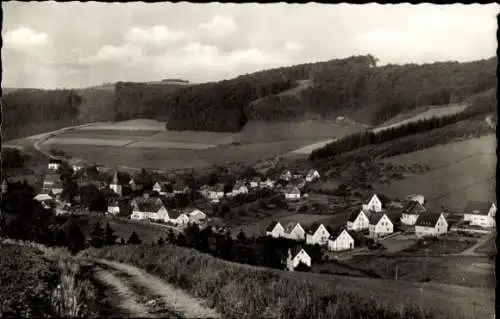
(239, 291)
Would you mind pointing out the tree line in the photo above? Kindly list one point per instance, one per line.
(481, 105)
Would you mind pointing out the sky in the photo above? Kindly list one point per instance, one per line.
(76, 44)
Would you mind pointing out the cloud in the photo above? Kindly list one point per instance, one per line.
(128, 53)
(24, 37)
(157, 35)
(293, 46)
(219, 26)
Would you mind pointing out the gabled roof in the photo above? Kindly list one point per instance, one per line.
(291, 189)
(413, 208)
(294, 250)
(272, 225)
(173, 214)
(352, 217)
(335, 233)
(148, 206)
(55, 161)
(290, 226)
(314, 227)
(375, 218)
(477, 207)
(427, 219)
(42, 197)
(311, 172)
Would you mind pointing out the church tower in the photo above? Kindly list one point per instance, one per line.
(115, 184)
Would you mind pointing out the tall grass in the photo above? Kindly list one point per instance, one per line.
(241, 291)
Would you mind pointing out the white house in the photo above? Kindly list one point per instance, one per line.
(149, 210)
(374, 204)
(317, 235)
(297, 255)
(292, 192)
(42, 197)
(380, 225)
(417, 197)
(411, 210)
(115, 185)
(431, 224)
(213, 193)
(54, 164)
(197, 216)
(341, 241)
(358, 221)
(294, 231)
(312, 175)
(268, 183)
(238, 188)
(113, 207)
(161, 188)
(275, 229)
(480, 214)
(255, 182)
(286, 175)
(177, 217)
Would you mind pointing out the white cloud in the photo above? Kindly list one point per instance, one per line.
(157, 35)
(117, 54)
(219, 26)
(293, 46)
(24, 37)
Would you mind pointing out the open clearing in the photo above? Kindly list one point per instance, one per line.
(459, 172)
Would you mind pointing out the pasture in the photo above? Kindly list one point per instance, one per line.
(459, 172)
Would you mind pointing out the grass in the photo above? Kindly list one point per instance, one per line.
(488, 247)
(241, 291)
(442, 246)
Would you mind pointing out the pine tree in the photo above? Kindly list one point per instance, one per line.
(97, 236)
(161, 242)
(242, 238)
(109, 236)
(134, 239)
(76, 238)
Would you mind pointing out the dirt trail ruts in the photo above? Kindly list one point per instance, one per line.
(177, 300)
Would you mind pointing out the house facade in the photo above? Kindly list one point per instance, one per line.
(286, 176)
(317, 236)
(54, 164)
(342, 241)
(411, 210)
(380, 225)
(297, 255)
(178, 218)
(197, 216)
(374, 204)
(312, 175)
(358, 222)
(431, 225)
(149, 210)
(480, 214)
(292, 193)
(294, 231)
(275, 229)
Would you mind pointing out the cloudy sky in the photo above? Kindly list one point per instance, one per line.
(49, 44)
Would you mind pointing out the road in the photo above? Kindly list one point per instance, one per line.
(471, 251)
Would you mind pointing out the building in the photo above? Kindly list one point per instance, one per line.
(410, 212)
(54, 164)
(268, 183)
(197, 216)
(213, 193)
(286, 176)
(431, 225)
(57, 187)
(255, 182)
(480, 214)
(115, 185)
(317, 235)
(292, 192)
(375, 204)
(380, 225)
(275, 229)
(178, 218)
(161, 188)
(312, 175)
(238, 188)
(76, 164)
(294, 231)
(149, 210)
(340, 240)
(50, 179)
(358, 221)
(296, 256)
(180, 187)
(5, 186)
(113, 206)
(416, 197)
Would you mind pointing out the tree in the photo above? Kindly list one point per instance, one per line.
(97, 238)
(134, 239)
(242, 238)
(171, 237)
(161, 242)
(109, 236)
(76, 238)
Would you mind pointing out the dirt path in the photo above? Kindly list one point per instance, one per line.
(471, 251)
(176, 300)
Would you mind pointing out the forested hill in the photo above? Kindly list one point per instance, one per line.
(354, 86)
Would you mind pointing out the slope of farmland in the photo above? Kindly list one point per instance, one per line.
(458, 172)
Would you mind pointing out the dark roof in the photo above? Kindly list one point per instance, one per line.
(295, 250)
(427, 219)
(173, 214)
(290, 226)
(352, 217)
(476, 207)
(337, 231)
(148, 206)
(55, 161)
(383, 199)
(375, 218)
(272, 225)
(413, 208)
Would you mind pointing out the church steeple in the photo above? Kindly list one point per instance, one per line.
(4, 186)
(115, 178)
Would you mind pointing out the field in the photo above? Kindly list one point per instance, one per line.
(421, 114)
(459, 172)
(488, 247)
(242, 291)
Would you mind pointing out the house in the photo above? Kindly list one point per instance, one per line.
(358, 221)
(317, 235)
(410, 212)
(480, 214)
(178, 218)
(149, 210)
(5, 186)
(161, 188)
(45, 199)
(292, 192)
(50, 179)
(268, 183)
(113, 207)
(115, 184)
(197, 216)
(312, 175)
(431, 224)
(76, 163)
(238, 188)
(340, 240)
(275, 229)
(286, 176)
(297, 255)
(255, 182)
(416, 197)
(294, 231)
(374, 204)
(180, 187)
(57, 187)
(54, 164)
(215, 193)
(134, 185)
(380, 225)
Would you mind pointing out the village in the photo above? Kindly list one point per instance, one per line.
(375, 222)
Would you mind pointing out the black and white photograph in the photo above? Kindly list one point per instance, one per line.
(248, 160)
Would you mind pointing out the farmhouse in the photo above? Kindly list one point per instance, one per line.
(296, 256)
(380, 225)
(374, 204)
(410, 212)
(312, 175)
(113, 206)
(340, 240)
(213, 193)
(115, 185)
(358, 221)
(317, 235)
(197, 216)
(294, 231)
(480, 214)
(54, 164)
(286, 175)
(149, 210)
(431, 224)
(275, 229)
(292, 192)
(416, 197)
(268, 183)
(178, 218)
(255, 182)
(238, 188)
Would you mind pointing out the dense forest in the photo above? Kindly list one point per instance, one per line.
(481, 105)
